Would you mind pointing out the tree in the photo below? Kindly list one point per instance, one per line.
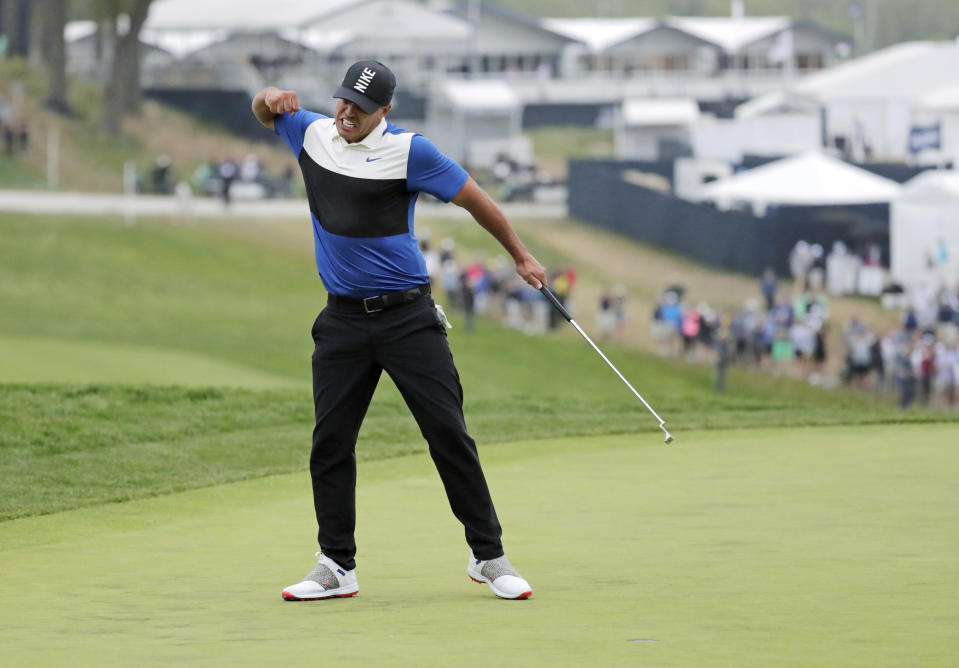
(15, 26)
(122, 95)
(53, 18)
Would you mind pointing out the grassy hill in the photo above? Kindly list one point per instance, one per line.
(225, 309)
(92, 161)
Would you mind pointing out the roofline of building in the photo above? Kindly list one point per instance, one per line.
(828, 32)
(523, 19)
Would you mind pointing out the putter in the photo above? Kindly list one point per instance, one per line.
(562, 309)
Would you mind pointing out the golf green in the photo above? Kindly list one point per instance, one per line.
(816, 546)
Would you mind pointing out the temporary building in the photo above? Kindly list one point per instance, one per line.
(477, 121)
(924, 230)
(700, 44)
(807, 179)
(869, 101)
(655, 129)
(771, 125)
(936, 119)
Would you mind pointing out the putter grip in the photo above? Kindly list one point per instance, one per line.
(555, 302)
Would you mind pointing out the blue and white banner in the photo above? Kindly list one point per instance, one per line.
(925, 137)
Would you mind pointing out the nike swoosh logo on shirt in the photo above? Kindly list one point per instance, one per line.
(372, 159)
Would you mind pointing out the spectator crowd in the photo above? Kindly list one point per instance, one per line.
(227, 179)
(15, 130)
(493, 289)
(918, 361)
(782, 335)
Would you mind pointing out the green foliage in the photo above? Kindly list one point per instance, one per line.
(571, 142)
(14, 173)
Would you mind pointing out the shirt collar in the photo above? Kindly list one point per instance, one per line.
(372, 140)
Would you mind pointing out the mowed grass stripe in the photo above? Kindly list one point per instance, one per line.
(817, 546)
(42, 360)
(159, 284)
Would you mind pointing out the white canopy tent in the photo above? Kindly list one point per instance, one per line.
(924, 230)
(869, 100)
(772, 125)
(649, 129)
(940, 111)
(476, 121)
(807, 179)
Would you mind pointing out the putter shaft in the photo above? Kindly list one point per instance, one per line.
(556, 303)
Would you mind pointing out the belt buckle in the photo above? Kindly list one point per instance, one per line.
(366, 305)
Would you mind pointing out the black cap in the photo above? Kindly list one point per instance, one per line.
(368, 83)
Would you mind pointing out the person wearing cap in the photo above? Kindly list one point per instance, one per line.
(363, 175)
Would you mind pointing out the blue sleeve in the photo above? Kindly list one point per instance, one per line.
(292, 127)
(430, 171)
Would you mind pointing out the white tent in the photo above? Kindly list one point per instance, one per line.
(939, 112)
(945, 98)
(772, 125)
(777, 102)
(871, 103)
(660, 112)
(869, 100)
(924, 230)
(807, 179)
(655, 129)
(476, 121)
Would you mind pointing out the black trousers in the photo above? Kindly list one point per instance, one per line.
(409, 342)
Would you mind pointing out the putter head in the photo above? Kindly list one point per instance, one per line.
(669, 437)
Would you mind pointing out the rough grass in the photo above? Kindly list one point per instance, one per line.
(555, 146)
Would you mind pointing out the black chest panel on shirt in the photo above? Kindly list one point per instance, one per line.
(355, 207)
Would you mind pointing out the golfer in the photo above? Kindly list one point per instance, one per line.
(363, 175)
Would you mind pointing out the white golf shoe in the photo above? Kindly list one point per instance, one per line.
(326, 580)
(501, 577)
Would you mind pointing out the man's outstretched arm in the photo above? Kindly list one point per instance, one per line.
(487, 213)
(271, 102)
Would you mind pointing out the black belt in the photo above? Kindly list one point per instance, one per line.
(379, 302)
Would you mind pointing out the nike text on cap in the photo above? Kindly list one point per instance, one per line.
(369, 84)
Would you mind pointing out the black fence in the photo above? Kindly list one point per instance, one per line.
(733, 240)
(229, 109)
(587, 114)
